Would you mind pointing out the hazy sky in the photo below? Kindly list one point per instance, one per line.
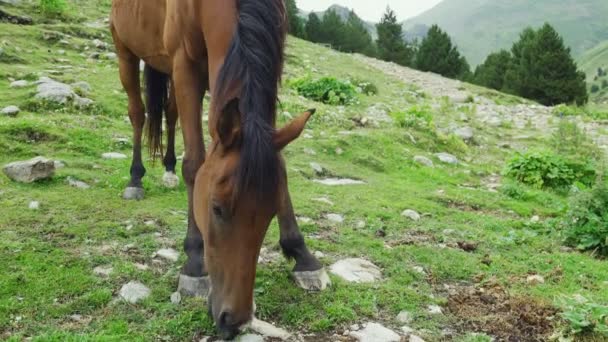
(372, 10)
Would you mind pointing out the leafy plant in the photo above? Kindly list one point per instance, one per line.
(585, 225)
(328, 90)
(584, 317)
(416, 116)
(364, 86)
(548, 170)
(53, 7)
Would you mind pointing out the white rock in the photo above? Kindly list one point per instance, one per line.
(535, 279)
(58, 164)
(250, 338)
(19, 84)
(535, 219)
(338, 181)
(29, 171)
(435, 309)
(168, 254)
(10, 111)
(103, 271)
(134, 292)
(319, 255)
(141, 267)
(411, 214)
(110, 55)
(34, 205)
(404, 317)
(317, 168)
(414, 338)
(323, 200)
(82, 102)
(176, 298)
(82, 86)
(423, 161)
(53, 91)
(78, 184)
(268, 330)
(113, 155)
(374, 332)
(310, 151)
(407, 330)
(465, 133)
(360, 224)
(447, 158)
(356, 270)
(335, 218)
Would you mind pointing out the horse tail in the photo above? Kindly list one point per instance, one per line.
(156, 104)
(255, 59)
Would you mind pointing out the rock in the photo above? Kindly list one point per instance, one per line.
(141, 267)
(310, 151)
(535, 279)
(250, 338)
(414, 338)
(374, 332)
(423, 161)
(335, 218)
(447, 158)
(378, 113)
(169, 254)
(19, 84)
(356, 270)
(323, 200)
(82, 87)
(58, 164)
(360, 224)
(419, 269)
(317, 168)
(464, 133)
(435, 309)
(176, 298)
(10, 111)
(535, 219)
(99, 44)
(113, 155)
(338, 181)
(406, 330)
(31, 170)
(53, 91)
(110, 56)
(78, 184)
(82, 102)
(411, 214)
(319, 254)
(103, 271)
(269, 330)
(404, 317)
(134, 292)
(34, 205)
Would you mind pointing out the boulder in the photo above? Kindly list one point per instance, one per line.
(31, 170)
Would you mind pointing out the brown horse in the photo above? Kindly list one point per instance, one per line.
(234, 49)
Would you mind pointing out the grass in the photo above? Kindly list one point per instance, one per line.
(49, 254)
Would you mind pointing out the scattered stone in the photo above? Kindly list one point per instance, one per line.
(10, 111)
(535, 279)
(78, 184)
(339, 151)
(268, 330)
(103, 271)
(319, 254)
(424, 161)
(176, 298)
(19, 84)
(411, 214)
(34, 205)
(407, 330)
(464, 133)
(82, 87)
(435, 309)
(374, 332)
(323, 200)
(58, 164)
(317, 168)
(110, 56)
(134, 291)
(447, 158)
(141, 267)
(310, 151)
(414, 338)
(419, 269)
(535, 219)
(404, 317)
(76, 318)
(99, 44)
(53, 91)
(169, 254)
(335, 218)
(251, 338)
(360, 224)
(82, 102)
(113, 155)
(356, 270)
(338, 181)
(29, 171)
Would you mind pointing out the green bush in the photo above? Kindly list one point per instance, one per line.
(53, 7)
(548, 170)
(585, 225)
(564, 110)
(415, 117)
(595, 88)
(364, 86)
(328, 90)
(584, 317)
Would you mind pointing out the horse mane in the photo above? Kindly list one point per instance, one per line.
(254, 63)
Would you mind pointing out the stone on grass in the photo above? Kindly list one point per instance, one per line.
(82, 102)
(535, 279)
(113, 155)
(29, 171)
(423, 161)
(103, 271)
(82, 87)
(34, 205)
(268, 330)
(414, 338)
(464, 133)
(406, 330)
(447, 158)
(435, 309)
(374, 332)
(10, 111)
(323, 200)
(317, 168)
(134, 292)
(411, 214)
(169, 254)
(250, 338)
(176, 298)
(335, 218)
(78, 184)
(356, 270)
(53, 91)
(338, 181)
(19, 84)
(404, 317)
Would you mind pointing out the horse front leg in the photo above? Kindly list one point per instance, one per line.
(170, 179)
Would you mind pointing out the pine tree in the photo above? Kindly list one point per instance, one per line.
(391, 45)
(492, 72)
(437, 54)
(296, 25)
(357, 37)
(332, 29)
(313, 28)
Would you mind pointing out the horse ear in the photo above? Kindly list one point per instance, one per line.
(229, 124)
(292, 130)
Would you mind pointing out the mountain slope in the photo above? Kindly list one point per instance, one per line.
(480, 27)
(343, 12)
(590, 62)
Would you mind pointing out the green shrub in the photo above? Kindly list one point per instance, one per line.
(564, 110)
(585, 225)
(328, 90)
(366, 87)
(595, 88)
(548, 170)
(415, 117)
(584, 317)
(53, 7)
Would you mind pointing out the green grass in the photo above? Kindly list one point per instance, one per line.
(48, 255)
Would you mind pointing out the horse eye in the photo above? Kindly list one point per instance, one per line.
(217, 210)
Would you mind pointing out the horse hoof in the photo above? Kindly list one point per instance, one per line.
(194, 286)
(132, 193)
(170, 180)
(312, 280)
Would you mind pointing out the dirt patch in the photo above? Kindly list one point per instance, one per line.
(490, 309)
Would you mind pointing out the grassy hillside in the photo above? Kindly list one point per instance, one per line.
(590, 62)
(480, 249)
(480, 27)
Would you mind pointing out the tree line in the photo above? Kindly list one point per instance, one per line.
(539, 66)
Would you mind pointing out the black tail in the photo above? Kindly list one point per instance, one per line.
(156, 105)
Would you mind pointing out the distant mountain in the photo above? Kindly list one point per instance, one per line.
(590, 62)
(480, 27)
(343, 12)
